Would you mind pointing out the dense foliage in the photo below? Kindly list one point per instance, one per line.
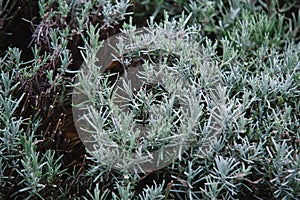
(240, 61)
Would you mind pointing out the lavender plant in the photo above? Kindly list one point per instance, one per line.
(228, 67)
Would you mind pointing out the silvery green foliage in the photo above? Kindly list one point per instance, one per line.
(98, 194)
(153, 192)
(80, 10)
(185, 77)
(257, 106)
(22, 167)
(124, 192)
(71, 18)
(18, 147)
(255, 110)
(260, 116)
(10, 126)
